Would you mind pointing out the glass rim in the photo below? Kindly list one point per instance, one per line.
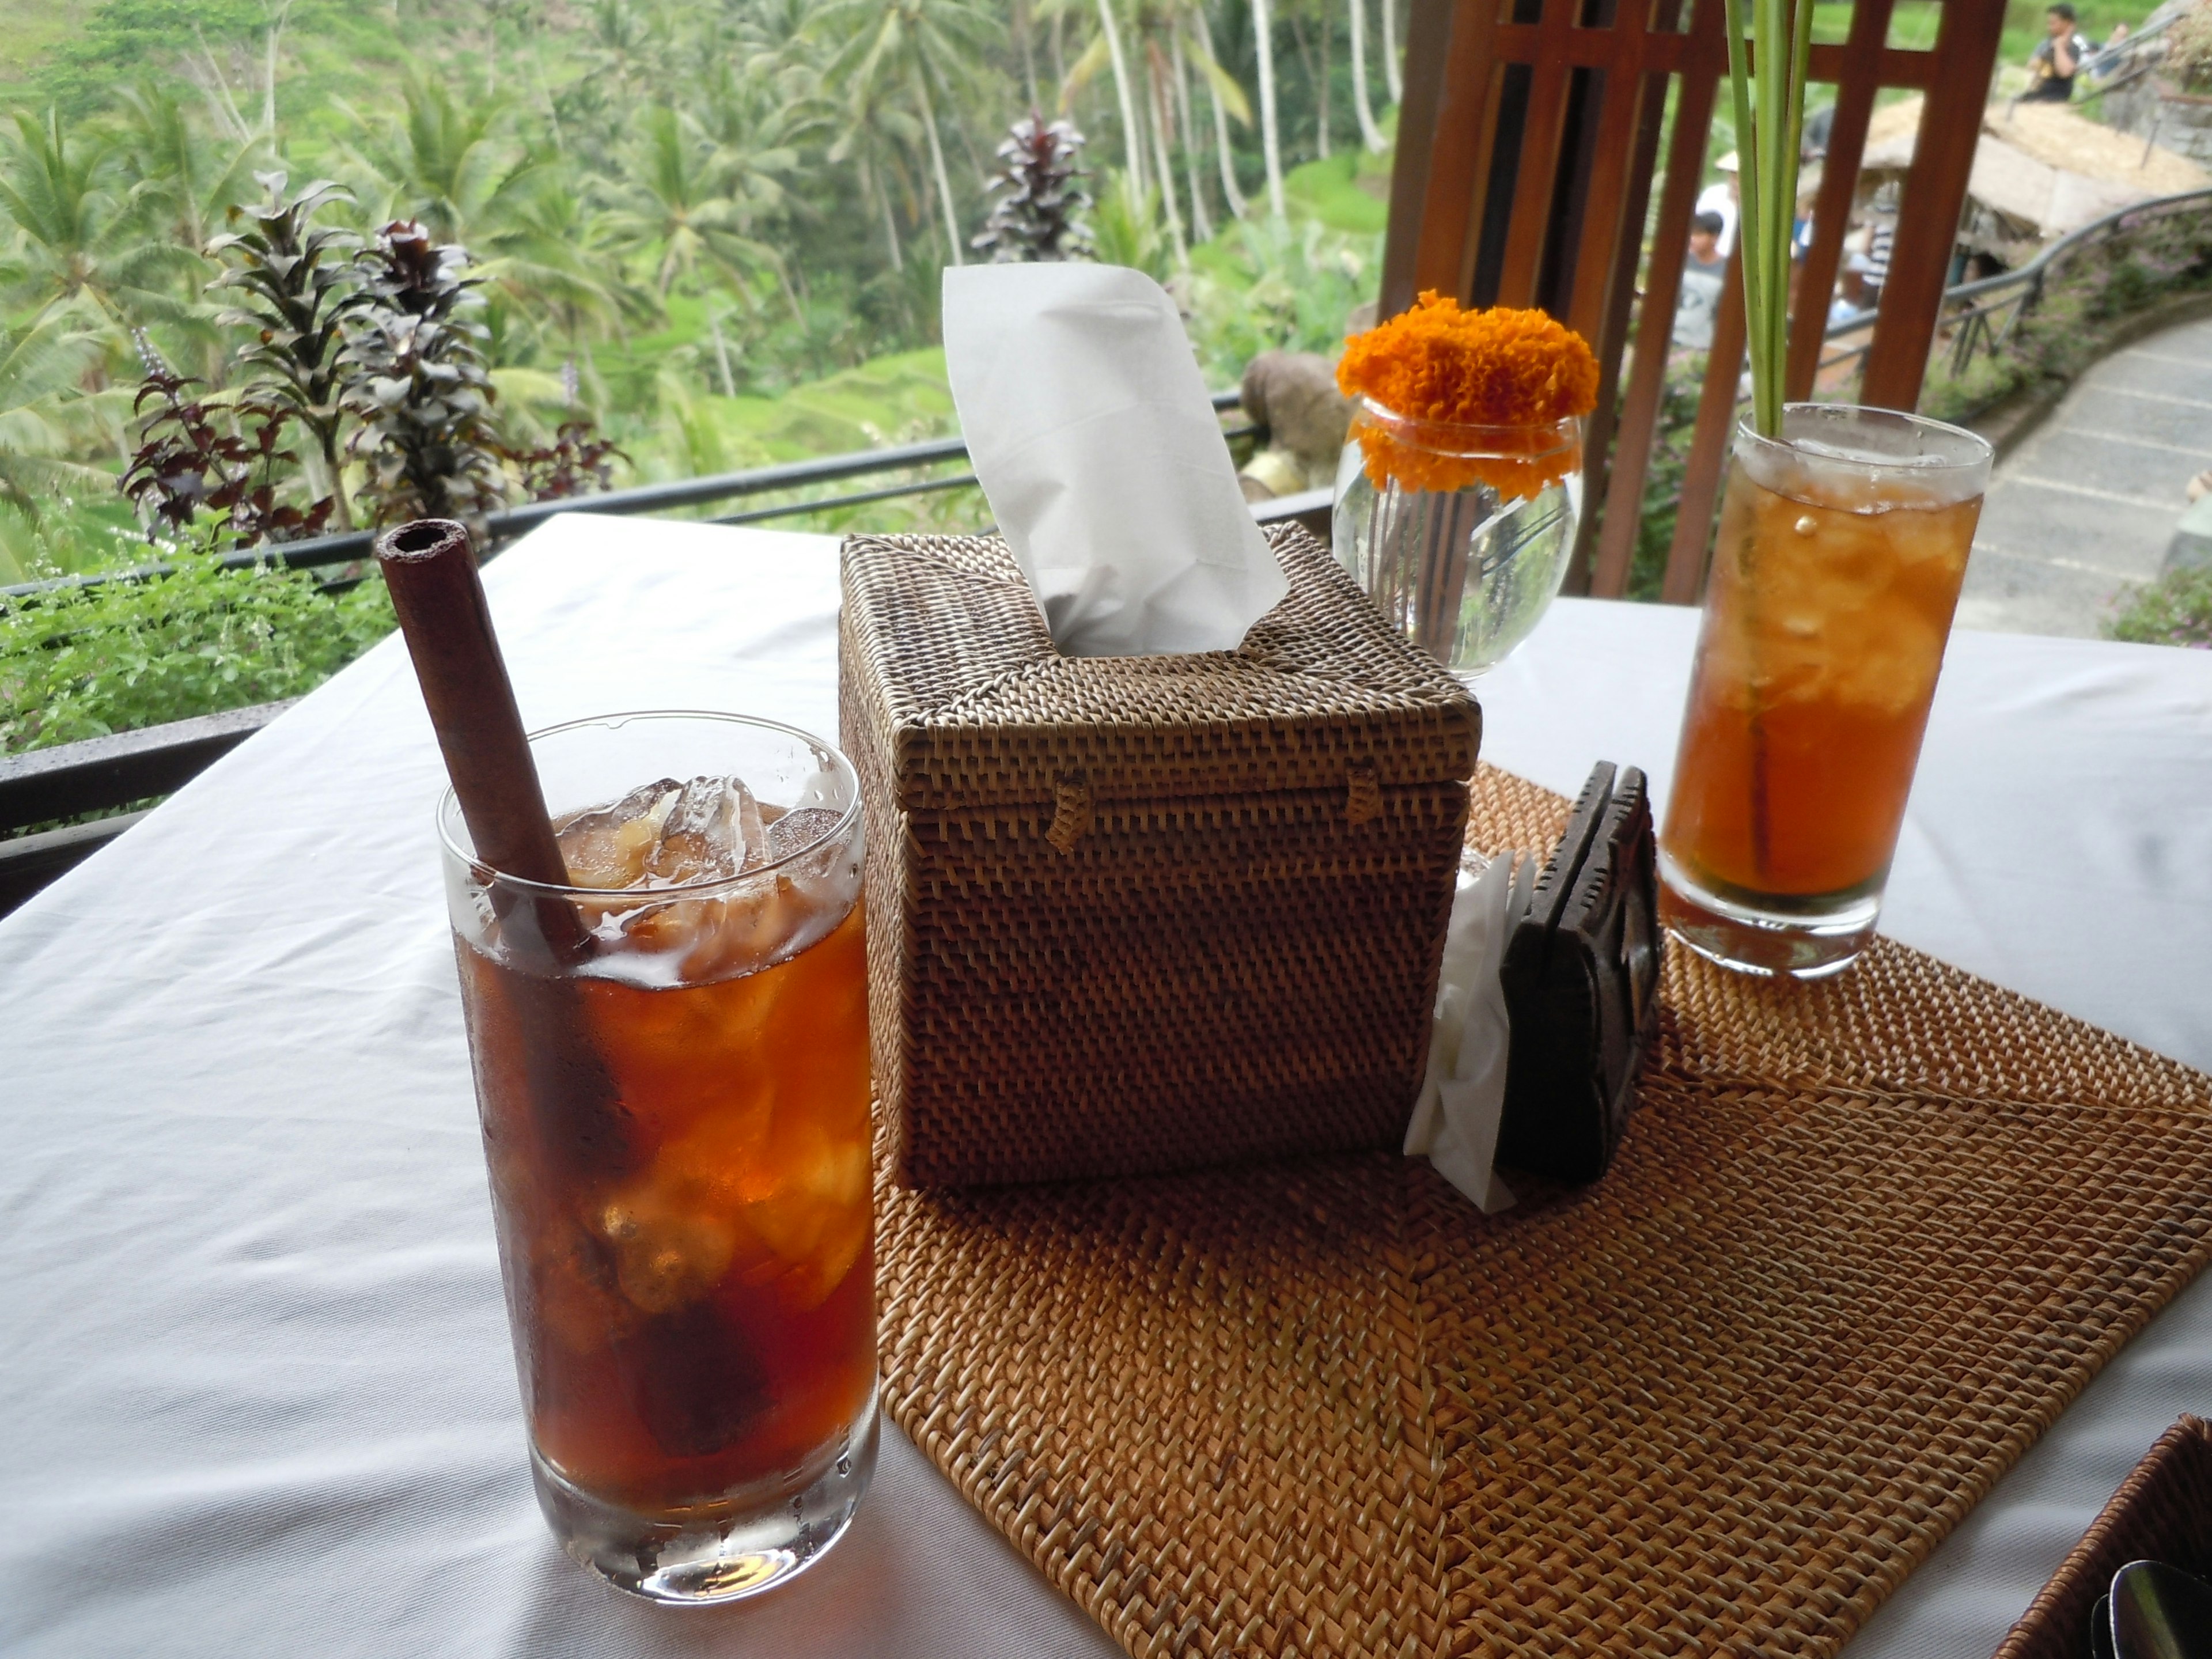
(449, 814)
(1567, 431)
(1982, 452)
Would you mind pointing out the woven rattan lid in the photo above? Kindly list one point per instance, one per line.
(979, 708)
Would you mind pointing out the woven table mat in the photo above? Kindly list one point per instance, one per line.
(1864, 1240)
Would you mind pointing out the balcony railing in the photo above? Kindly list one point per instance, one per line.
(346, 547)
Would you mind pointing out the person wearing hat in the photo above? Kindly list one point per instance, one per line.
(1721, 197)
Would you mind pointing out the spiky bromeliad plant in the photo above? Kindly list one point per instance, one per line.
(416, 380)
(1769, 125)
(291, 277)
(1041, 198)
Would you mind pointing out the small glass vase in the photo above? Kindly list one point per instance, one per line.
(1460, 534)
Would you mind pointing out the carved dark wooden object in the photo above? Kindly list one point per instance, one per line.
(1582, 981)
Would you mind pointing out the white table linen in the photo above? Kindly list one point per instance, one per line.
(255, 1396)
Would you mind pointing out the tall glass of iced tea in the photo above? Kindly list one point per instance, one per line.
(675, 1116)
(1841, 549)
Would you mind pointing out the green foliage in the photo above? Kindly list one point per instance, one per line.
(1662, 481)
(713, 225)
(416, 380)
(1037, 212)
(1345, 193)
(1261, 286)
(2175, 610)
(83, 662)
(290, 277)
(2082, 306)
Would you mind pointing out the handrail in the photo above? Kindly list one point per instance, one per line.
(1969, 309)
(343, 547)
(2035, 268)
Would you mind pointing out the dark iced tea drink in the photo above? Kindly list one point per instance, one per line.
(676, 1119)
(1840, 552)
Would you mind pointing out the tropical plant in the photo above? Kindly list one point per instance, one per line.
(687, 202)
(1125, 227)
(2175, 610)
(927, 47)
(416, 381)
(1038, 212)
(42, 417)
(578, 462)
(290, 278)
(453, 165)
(193, 458)
(76, 237)
(879, 131)
(85, 662)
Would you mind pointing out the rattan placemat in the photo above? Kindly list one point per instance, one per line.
(1864, 1240)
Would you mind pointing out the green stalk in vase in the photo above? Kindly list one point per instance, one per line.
(1770, 123)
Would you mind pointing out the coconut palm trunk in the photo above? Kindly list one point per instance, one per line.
(937, 164)
(1369, 134)
(1133, 136)
(1392, 74)
(1270, 142)
(872, 183)
(1321, 85)
(1157, 95)
(1230, 192)
(1201, 223)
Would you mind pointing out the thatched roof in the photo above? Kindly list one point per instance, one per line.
(2042, 165)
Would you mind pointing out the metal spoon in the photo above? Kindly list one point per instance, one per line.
(2161, 1613)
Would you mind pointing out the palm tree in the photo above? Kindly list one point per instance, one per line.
(674, 202)
(1104, 50)
(450, 165)
(1369, 134)
(545, 272)
(1133, 139)
(181, 183)
(923, 44)
(879, 130)
(77, 238)
(43, 417)
(1270, 142)
(1227, 98)
(1392, 74)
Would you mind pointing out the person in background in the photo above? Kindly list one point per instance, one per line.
(2056, 58)
(1866, 264)
(1702, 273)
(1720, 197)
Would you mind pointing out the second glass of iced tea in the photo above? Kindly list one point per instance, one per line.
(1841, 550)
(675, 1115)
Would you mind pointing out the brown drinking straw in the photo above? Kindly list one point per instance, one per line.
(431, 570)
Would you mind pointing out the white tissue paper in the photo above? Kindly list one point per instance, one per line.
(1462, 1098)
(1091, 432)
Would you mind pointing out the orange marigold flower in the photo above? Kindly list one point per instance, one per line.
(1439, 366)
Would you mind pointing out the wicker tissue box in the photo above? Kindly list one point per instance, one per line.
(1137, 914)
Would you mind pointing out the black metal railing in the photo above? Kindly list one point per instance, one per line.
(1981, 317)
(345, 547)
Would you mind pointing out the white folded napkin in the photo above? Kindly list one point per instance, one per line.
(1462, 1097)
(1091, 432)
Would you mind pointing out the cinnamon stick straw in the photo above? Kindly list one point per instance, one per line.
(430, 569)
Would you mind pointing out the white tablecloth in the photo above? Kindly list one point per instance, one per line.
(255, 1390)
